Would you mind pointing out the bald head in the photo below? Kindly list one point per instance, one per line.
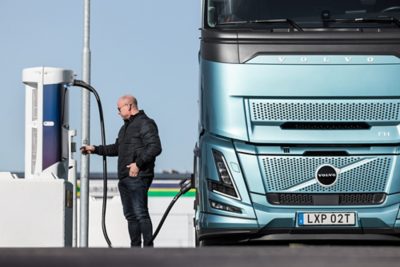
(127, 106)
(129, 99)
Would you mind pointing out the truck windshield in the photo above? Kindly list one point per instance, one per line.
(301, 14)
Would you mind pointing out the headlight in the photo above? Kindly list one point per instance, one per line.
(225, 185)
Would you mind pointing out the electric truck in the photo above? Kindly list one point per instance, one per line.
(299, 129)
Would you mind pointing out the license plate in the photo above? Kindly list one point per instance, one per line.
(326, 218)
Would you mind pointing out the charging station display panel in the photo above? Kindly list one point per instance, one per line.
(53, 96)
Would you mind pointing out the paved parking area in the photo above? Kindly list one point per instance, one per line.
(298, 255)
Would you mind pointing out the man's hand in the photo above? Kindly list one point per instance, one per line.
(133, 169)
(89, 149)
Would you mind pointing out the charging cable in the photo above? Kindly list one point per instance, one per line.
(103, 142)
(185, 185)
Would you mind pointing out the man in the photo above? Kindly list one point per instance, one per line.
(137, 147)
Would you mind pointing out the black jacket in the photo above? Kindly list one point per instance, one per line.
(137, 141)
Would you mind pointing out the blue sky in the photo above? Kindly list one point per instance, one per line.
(145, 48)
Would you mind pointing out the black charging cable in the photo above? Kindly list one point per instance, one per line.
(185, 185)
(103, 142)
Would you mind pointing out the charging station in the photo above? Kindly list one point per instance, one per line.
(37, 210)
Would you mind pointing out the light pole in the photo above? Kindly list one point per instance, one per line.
(84, 179)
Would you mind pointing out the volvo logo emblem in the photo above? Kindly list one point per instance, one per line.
(326, 175)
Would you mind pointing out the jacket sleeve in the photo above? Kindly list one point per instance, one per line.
(108, 150)
(151, 142)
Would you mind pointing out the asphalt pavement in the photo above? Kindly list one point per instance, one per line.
(299, 255)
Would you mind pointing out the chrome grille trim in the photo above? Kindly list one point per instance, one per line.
(350, 199)
(324, 110)
(295, 174)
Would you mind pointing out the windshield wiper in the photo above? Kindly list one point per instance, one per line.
(383, 20)
(264, 21)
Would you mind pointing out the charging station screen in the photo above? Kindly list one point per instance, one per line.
(52, 113)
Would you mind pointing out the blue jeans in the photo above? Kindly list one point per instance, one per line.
(133, 191)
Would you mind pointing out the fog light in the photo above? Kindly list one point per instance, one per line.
(224, 207)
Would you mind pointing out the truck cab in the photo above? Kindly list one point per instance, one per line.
(299, 119)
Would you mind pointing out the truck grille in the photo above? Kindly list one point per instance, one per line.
(296, 174)
(336, 110)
